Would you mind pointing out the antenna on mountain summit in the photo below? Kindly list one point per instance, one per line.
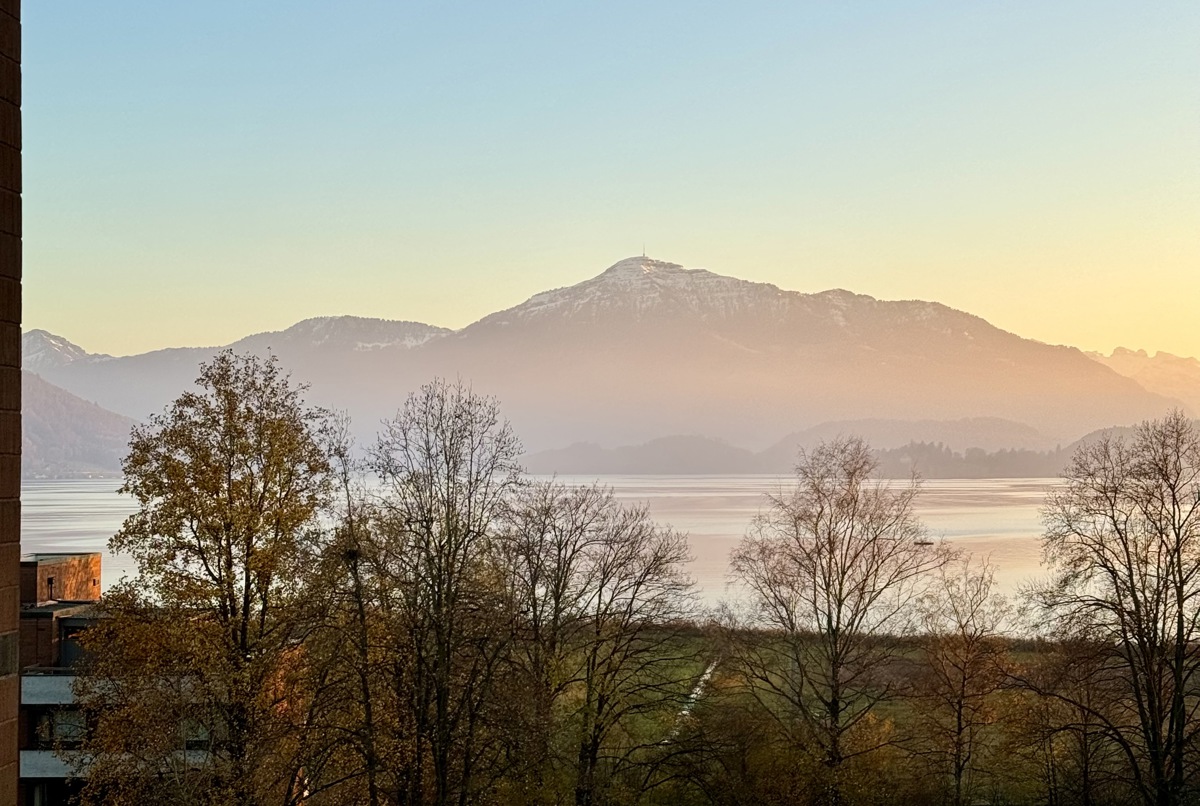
(643, 248)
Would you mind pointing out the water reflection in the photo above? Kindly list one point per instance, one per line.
(996, 517)
(986, 517)
(75, 515)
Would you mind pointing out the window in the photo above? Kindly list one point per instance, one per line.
(195, 734)
(70, 651)
(63, 727)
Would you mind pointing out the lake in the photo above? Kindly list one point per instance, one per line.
(995, 517)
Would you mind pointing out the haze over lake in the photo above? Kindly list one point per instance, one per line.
(996, 517)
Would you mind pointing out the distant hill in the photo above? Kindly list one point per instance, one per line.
(648, 348)
(341, 334)
(694, 455)
(986, 433)
(66, 437)
(331, 351)
(677, 455)
(936, 461)
(682, 456)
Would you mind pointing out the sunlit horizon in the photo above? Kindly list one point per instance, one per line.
(139, 343)
(196, 174)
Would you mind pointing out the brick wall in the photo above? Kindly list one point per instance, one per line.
(39, 641)
(10, 388)
(66, 578)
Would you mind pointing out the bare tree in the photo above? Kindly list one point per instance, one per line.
(448, 463)
(832, 568)
(1123, 542)
(351, 709)
(961, 617)
(1062, 687)
(552, 530)
(600, 591)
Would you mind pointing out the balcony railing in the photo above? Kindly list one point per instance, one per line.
(47, 689)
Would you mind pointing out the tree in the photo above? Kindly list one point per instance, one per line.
(1123, 543)
(191, 694)
(831, 569)
(350, 618)
(357, 727)
(961, 617)
(1060, 689)
(448, 465)
(599, 593)
(551, 529)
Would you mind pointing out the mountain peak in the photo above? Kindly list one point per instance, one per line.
(42, 350)
(639, 287)
(639, 273)
(641, 265)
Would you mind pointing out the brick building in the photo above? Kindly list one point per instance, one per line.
(58, 593)
(10, 388)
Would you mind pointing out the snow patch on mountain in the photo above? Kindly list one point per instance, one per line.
(642, 289)
(356, 333)
(643, 286)
(42, 350)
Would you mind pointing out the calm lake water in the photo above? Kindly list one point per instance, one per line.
(996, 517)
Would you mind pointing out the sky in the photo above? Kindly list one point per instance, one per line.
(196, 172)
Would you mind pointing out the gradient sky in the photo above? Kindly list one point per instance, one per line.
(195, 172)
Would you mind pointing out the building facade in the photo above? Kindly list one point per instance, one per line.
(58, 596)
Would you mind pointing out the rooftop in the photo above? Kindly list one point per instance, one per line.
(42, 556)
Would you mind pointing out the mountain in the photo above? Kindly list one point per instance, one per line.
(1162, 373)
(64, 436)
(42, 351)
(341, 334)
(334, 353)
(648, 348)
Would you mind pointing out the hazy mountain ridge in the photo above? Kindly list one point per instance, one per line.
(648, 343)
(988, 433)
(696, 455)
(322, 348)
(648, 348)
(65, 437)
(355, 333)
(693, 455)
(1163, 373)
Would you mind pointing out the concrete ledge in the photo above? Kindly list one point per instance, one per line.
(47, 689)
(43, 764)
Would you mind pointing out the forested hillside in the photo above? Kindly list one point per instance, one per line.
(67, 437)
